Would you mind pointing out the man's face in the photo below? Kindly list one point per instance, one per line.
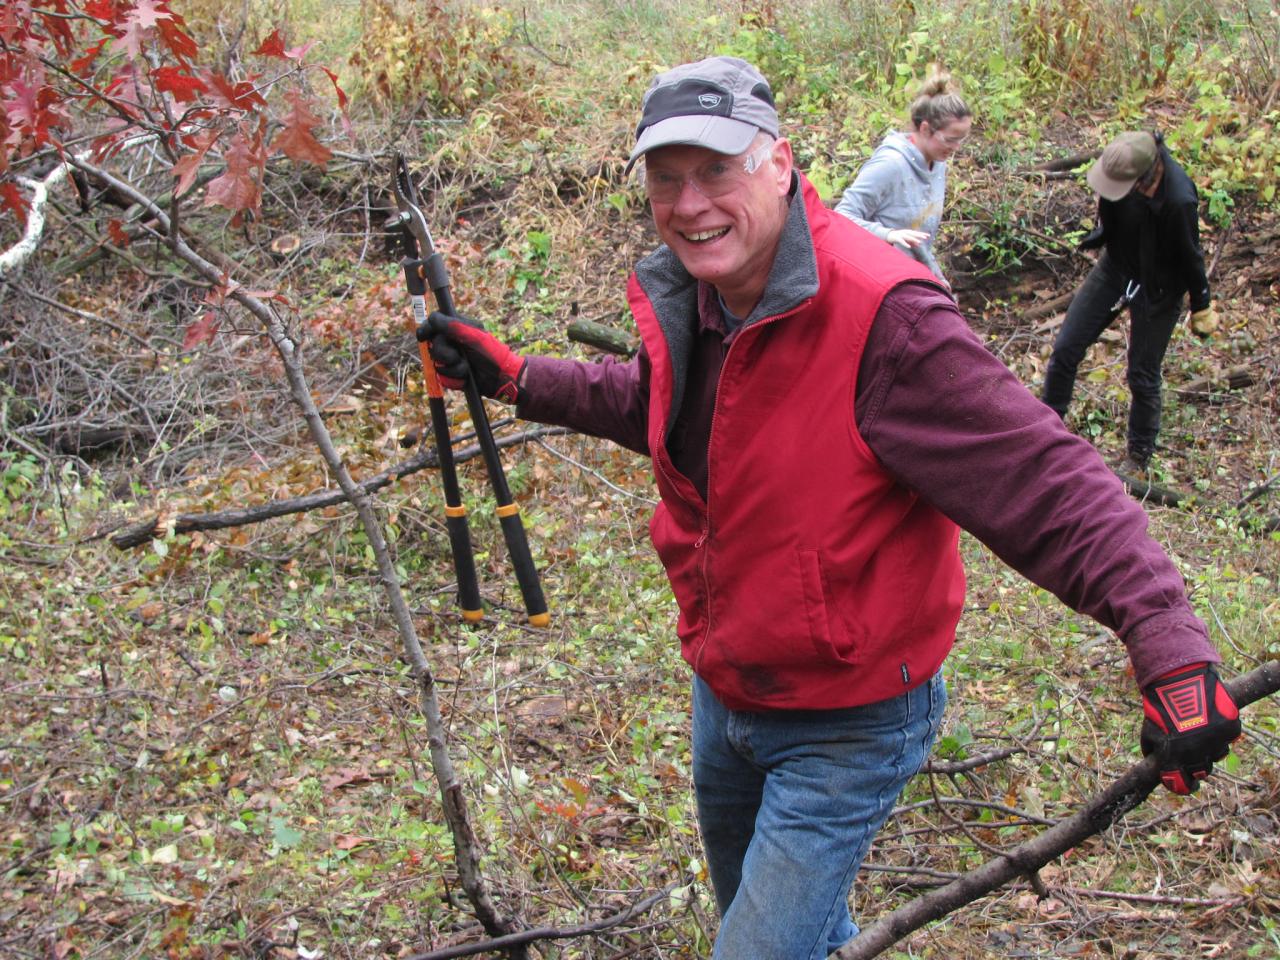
(722, 215)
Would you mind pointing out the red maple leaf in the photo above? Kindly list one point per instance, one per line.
(188, 165)
(342, 102)
(201, 331)
(115, 230)
(273, 46)
(296, 141)
(59, 28)
(105, 10)
(183, 47)
(239, 188)
(240, 95)
(131, 38)
(149, 13)
(83, 62)
(176, 81)
(31, 111)
(11, 198)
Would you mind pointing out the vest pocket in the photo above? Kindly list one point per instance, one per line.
(827, 631)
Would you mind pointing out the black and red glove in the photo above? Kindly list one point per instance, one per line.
(1190, 721)
(459, 344)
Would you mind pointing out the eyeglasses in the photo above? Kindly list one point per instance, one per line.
(953, 142)
(715, 178)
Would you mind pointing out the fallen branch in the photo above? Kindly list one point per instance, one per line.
(1141, 488)
(13, 258)
(601, 337)
(1062, 164)
(547, 933)
(1024, 859)
(141, 531)
(1233, 378)
(1048, 308)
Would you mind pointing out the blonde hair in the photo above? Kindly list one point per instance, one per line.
(938, 101)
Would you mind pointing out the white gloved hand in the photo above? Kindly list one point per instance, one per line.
(907, 238)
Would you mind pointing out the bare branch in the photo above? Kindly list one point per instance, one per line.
(466, 847)
(548, 933)
(141, 531)
(22, 251)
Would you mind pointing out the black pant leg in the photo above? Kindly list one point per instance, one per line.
(1088, 315)
(1150, 329)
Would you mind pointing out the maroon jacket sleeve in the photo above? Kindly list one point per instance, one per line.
(950, 421)
(608, 399)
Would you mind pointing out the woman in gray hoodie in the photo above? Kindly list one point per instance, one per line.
(898, 193)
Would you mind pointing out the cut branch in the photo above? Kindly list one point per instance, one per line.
(141, 531)
(1233, 378)
(1098, 814)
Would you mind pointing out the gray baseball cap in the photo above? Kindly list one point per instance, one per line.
(1122, 164)
(720, 103)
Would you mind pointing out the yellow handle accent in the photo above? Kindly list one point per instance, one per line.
(458, 511)
(540, 619)
(472, 616)
(510, 510)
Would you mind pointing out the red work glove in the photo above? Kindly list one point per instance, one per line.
(1190, 723)
(459, 344)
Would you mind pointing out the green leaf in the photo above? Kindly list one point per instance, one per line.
(285, 837)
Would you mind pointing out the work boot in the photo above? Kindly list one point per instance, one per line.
(1136, 462)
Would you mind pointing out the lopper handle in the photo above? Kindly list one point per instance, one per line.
(455, 513)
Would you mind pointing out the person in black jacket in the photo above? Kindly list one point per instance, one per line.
(1149, 229)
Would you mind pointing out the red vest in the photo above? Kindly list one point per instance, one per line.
(810, 578)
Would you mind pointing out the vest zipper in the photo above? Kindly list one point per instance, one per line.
(715, 412)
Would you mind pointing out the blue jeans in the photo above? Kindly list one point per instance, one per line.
(788, 802)
(1150, 327)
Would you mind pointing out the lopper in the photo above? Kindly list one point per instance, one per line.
(424, 267)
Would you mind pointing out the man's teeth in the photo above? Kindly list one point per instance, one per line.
(706, 234)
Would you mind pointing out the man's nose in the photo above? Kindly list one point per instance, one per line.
(691, 198)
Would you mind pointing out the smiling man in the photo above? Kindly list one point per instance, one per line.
(822, 422)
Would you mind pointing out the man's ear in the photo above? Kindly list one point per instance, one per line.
(782, 163)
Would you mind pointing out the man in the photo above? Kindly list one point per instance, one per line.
(820, 419)
(1149, 227)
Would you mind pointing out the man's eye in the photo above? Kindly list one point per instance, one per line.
(715, 171)
(662, 178)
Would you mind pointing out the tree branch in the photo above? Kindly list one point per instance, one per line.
(547, 933)
(141, 531)
(22, 251)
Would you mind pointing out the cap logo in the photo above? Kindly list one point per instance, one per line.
(710, 100)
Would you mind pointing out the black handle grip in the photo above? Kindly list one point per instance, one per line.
(535, 603)
(455, 516)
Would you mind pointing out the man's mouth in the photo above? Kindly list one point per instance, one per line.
(703, 236)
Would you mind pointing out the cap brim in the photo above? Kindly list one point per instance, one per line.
(1107, 187)
(721, 134)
